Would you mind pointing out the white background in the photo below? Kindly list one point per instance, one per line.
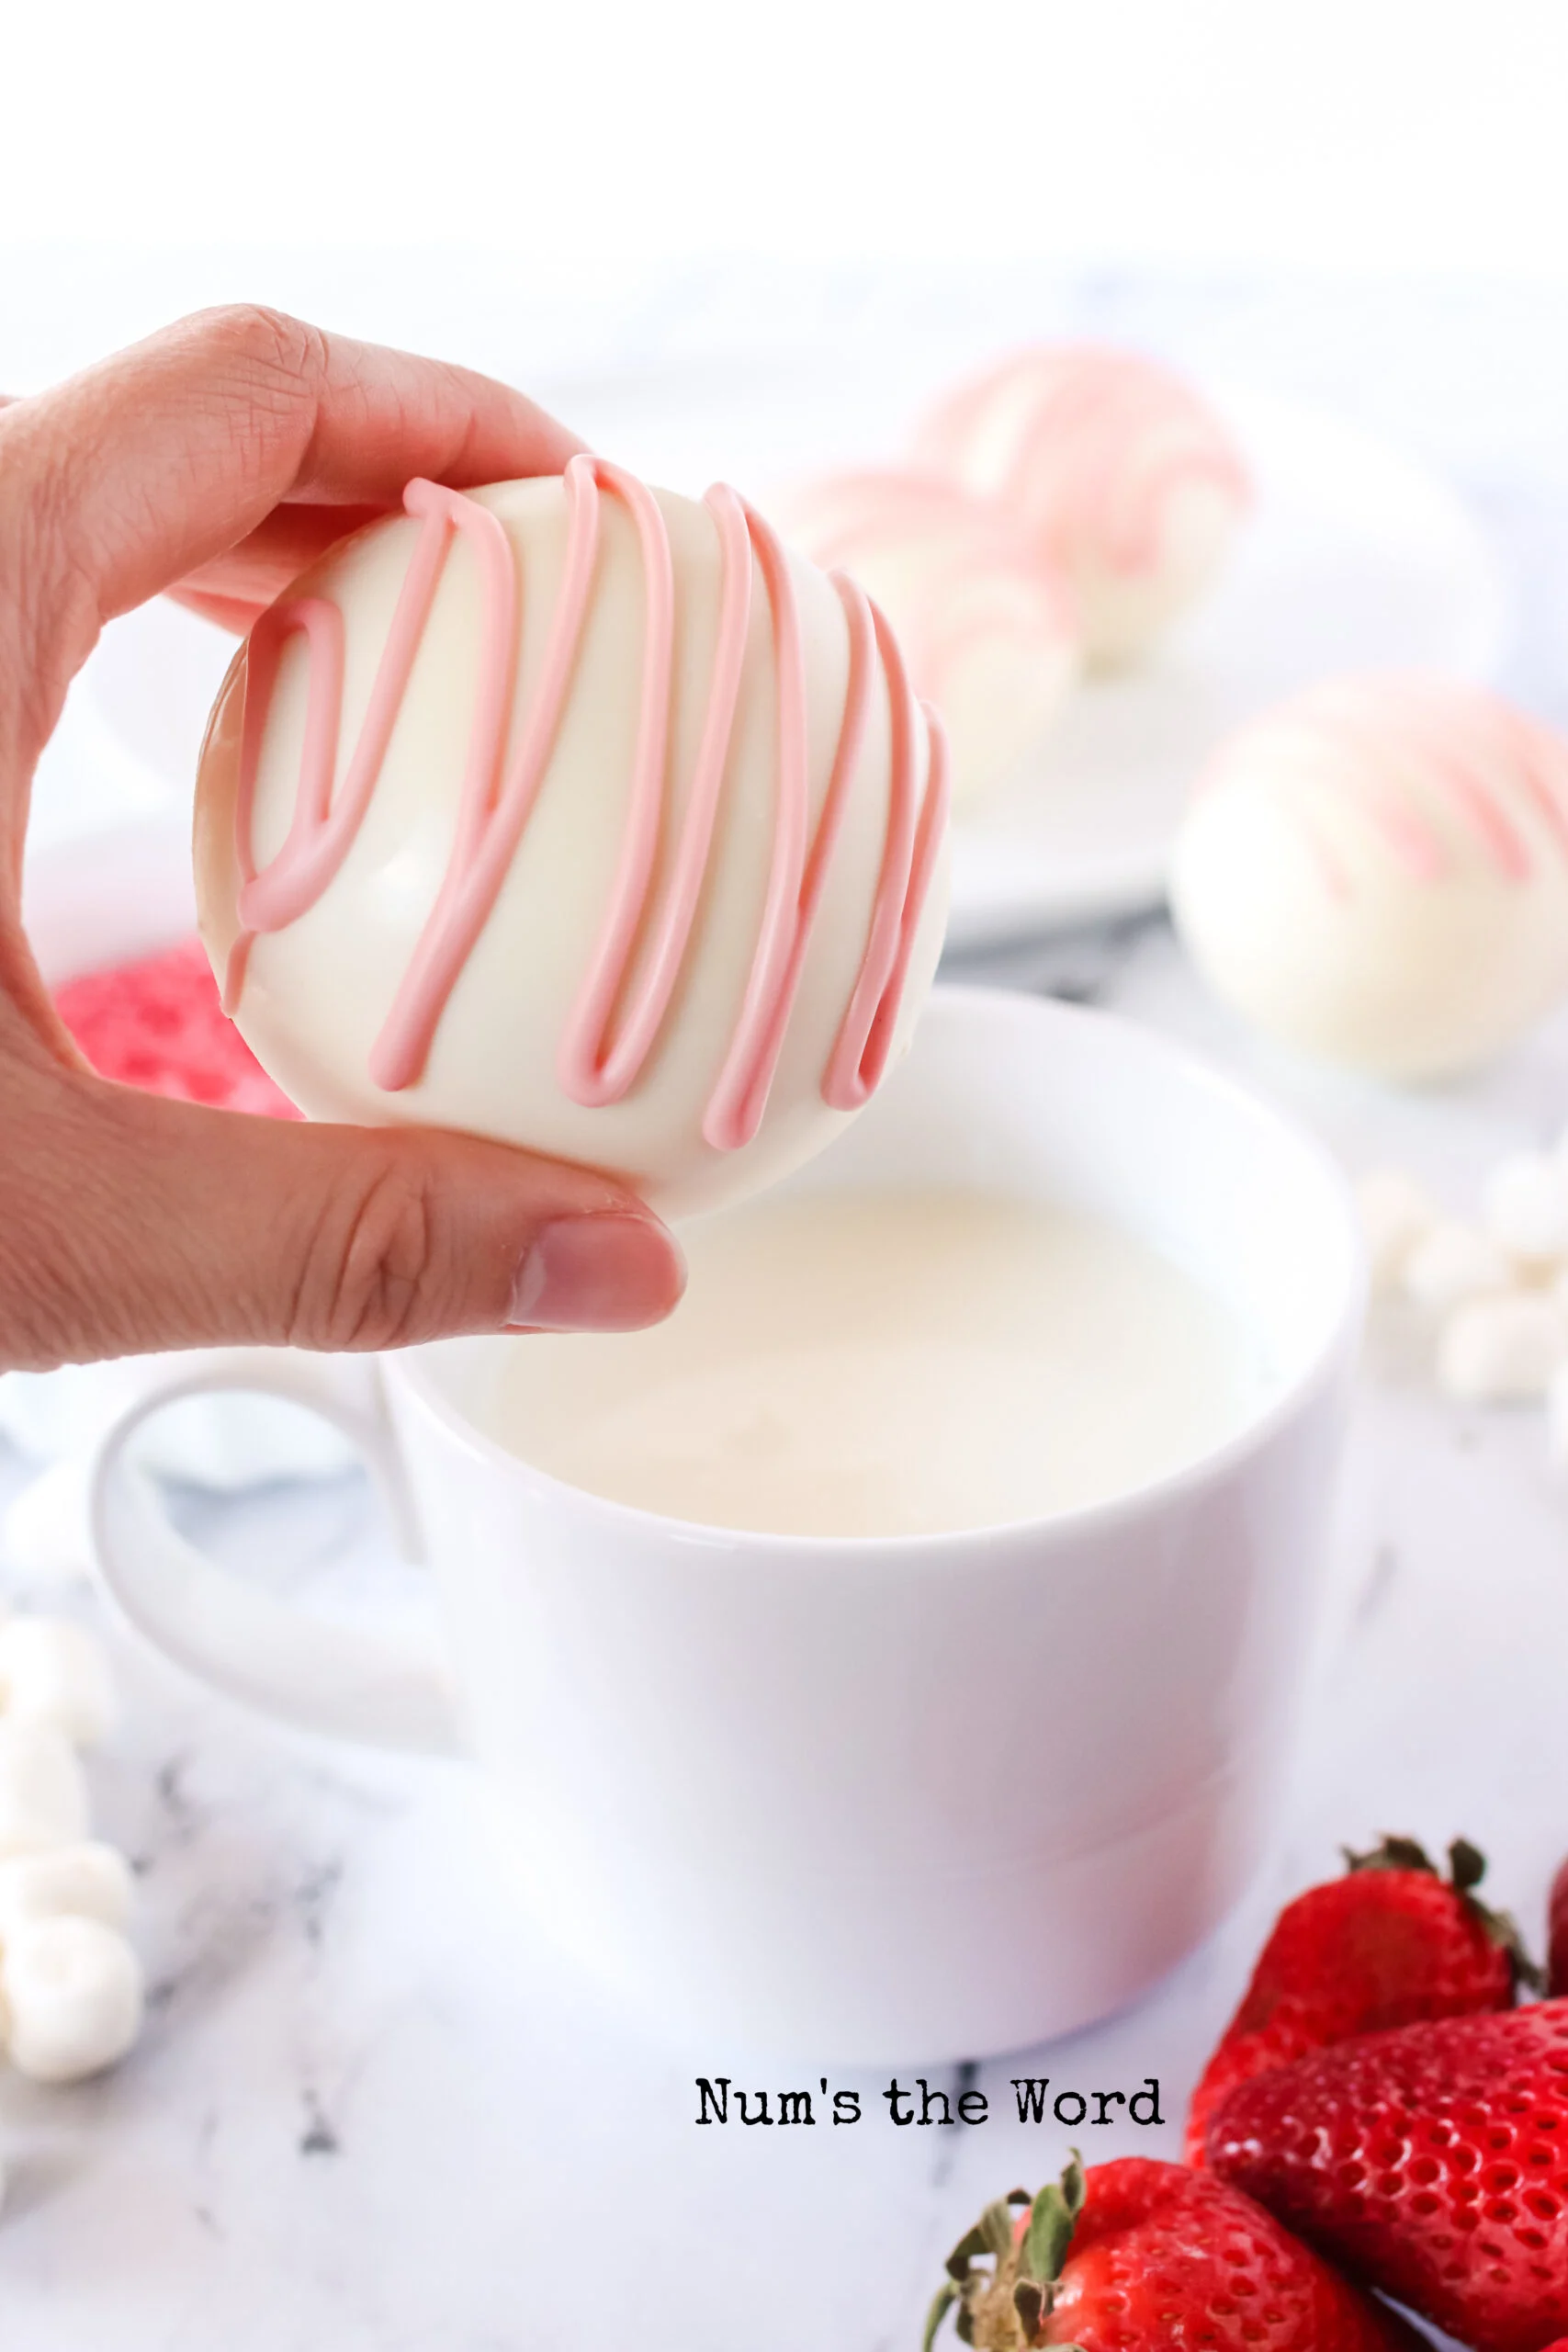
(1365, 135)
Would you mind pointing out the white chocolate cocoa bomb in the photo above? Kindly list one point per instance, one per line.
(989, 638)
(1128, 485)
(1377, 873)
(627, 844)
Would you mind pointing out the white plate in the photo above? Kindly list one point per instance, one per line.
(1356, 558)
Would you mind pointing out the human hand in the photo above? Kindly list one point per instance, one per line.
(216, 460)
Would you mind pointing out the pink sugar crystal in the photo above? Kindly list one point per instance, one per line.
(157, 1023)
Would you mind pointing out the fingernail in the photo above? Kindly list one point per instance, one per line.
(606, 1272)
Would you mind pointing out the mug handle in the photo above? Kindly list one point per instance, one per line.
(251, 1646)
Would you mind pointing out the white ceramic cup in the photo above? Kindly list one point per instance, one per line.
(861, 1801)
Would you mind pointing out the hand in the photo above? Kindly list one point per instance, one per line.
(218, 460)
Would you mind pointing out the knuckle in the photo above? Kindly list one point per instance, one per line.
(261, 375)
(375, 1274)
(267, 370)
(254, 335)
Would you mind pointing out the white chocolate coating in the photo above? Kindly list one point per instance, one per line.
(318, 990)
(1377, 873)
(1128, 486)
(988, 634)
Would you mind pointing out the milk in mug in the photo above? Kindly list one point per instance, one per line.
(888, 1362)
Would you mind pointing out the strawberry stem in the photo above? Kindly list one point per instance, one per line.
(1016, 2287)
(1403, 1854)
(1052, 2220)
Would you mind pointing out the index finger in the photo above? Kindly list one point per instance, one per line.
(127, 477)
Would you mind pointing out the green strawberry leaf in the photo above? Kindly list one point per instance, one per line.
(1467, 1865)
(992, 2235)
(1036, 2258)
(945, 2296)
(972, 2243)
(1392, 1854)
(1052, 2220)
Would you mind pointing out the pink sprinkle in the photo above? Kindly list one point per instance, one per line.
(157, 1023)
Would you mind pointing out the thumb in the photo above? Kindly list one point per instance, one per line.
(130, 1223)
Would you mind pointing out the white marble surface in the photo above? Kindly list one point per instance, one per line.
(374, 2113)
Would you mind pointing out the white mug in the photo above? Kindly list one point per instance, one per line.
(861, 1801)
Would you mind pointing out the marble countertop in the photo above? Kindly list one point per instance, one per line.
(372, 2111)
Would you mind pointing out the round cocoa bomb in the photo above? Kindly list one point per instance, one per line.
(582, 816)
(989, 635)
(1376, 873)
(1127, 483)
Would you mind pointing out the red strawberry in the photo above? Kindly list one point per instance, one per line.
(1140, 2257)
(1432, 2163)
(1557, 1957)
(1387, 1944)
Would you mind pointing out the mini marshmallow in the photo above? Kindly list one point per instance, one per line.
(1525, 1207)
(1396, 1215)
(43, 1795)
(1498, 1349)
(1452, 1263)
(47, 1533)
(52, 1672)
(73, 1996)
(90, 1882)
